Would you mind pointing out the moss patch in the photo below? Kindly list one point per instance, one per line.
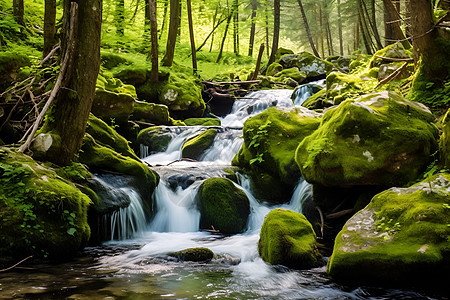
(444, 142)
(41, 214)
(288, 239)
(199, 254)
(202, 122)
(157, 114)
(378, 139)
(223, 206)
(194, 147)
(401, 236)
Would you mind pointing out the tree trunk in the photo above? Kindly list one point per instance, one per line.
(74, 101)
(322, 49)
(393, 32)
(191, 36)
(216, 12)
(230, 15)
(341, 42)
(236, 27)
(364, 28)
(50, 39)
(154, 40)
(373, 24)
(276, 30)
(357, 43)
(119, 16)
(174, 24)
(267, 31)
(258, 62)
(308, 31)
(19, 11)
(329, 36)
(180, 11)
(163, 25)
(253, 27)
(435, 65)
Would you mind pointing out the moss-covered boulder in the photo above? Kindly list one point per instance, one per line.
(107, 82)
(342, 86)
(202, 122)
(108, 137)
(198, 254)
(223, 206)
(444, 142)
(112, 106)
(318, 101)
(282, 52)
(341, 62)
(311, 66)
(41, 213)
(288, 239)
(359, 63)
(157, 114)
(194, 147)
(270, 141)
(155, 138)
(273, 69)
(401, 236)
(377, 139)
(396, 50)
(292, 73)
(183, 95)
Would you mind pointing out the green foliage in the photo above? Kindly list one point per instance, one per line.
(257, 139)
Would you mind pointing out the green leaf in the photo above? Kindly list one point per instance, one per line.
(71, 231)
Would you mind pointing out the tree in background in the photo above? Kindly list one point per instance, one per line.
(276, 30)
(154, 40)
(174, 25)
(119, 16)
(191, 36)
(19, 11)
(308, 31)
(253, 27)
(50, 39)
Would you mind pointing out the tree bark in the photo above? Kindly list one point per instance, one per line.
(322, 48)
(329, 36)
(154, 41)
(308, 31)
(253, 27)
(74, 101)
(393, 32)
(267, 31)
(341, 42)
(174, 24)
(276, 30)
(364, 28)
(191, 36)
(50, 39)
(19, 12)
(211, 34)
(230, 15)
(435, 65)
(258, 62)
(216, 12)
(236, 27)
(163, 25)
(373, 24)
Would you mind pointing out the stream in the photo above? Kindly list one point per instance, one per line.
(134, 264)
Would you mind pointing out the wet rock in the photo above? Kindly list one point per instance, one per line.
(223, 206)
(184, 181)
(378, 139)
(342, 62)
(194, 147)
(202, 122)
(193, 254)
(313, 67)
(400, 237)
(110, 105)
(156, 114)
(155, 138)
(288, 239)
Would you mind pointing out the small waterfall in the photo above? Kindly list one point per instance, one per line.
(176, 210)
(303, 92)
(128, 221)
(226, 144)
(302, 191)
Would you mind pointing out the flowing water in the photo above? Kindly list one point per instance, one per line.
(139, 267)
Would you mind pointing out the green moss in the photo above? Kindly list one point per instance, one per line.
(157, 114)
(317, 101)
(341, 86)
(40, 213)
(110, 60)
(75, 172)
(194, 147)
(202, 122)
(273, 69)
(223, 206)
(155, 138)
(444, 142)
(288, 239)
(401, 236)
(106, 81)
(270, 140)
(281, 52)
(378, 139)
(110, 105)
(193, 254)
(396, 50)
(293, 73)
(108, 137)
(359, 63)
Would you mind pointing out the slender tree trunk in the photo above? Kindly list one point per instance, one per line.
(308, 31)
(211, 34)
(216, 12)
(120, 17)
(357, 43)
(258, 62)
(435, 65)
(180, 14)
(267, 30)
(191, 36)
(50, 39)
(364, 28)
(322, 50)
(329, 36)
(230, 15)
(373, 24)
(74, 101)
(147, 29)
(154, 39)
(19, 12)
(174, 24)
(276, 30)
(253, 27)
(341, 42)
(407, 20)
(163, 25)
(393, 32)
(236, 27)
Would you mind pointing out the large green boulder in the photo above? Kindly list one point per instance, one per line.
(198, 254)
(377, 139)
(194, 147)
(157, 114)
(307, 63)
(108, 137)
(342, 86)
(110, 106)
(291, 73)
(156, 138)
(41, 214)
(223, 206)
(444, 142)
(270, 141)
(403, 235)
(287, 238)
(396, 50)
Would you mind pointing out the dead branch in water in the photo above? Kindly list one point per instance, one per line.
(14, 266)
